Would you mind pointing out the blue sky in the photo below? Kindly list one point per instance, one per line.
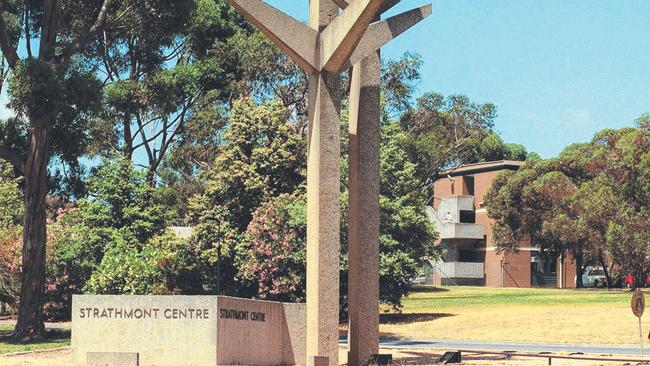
(557, 70)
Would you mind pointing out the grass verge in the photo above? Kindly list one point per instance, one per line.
(54, 339)
(516, 315)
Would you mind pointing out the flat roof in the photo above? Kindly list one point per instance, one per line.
(483, 167)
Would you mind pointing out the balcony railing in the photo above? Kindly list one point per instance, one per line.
(456, 203)
(460, 231)
(459, 269)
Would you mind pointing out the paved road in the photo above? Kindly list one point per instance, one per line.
(626, 350)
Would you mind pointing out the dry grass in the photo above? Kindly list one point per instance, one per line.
(518, 315)
(53, 358)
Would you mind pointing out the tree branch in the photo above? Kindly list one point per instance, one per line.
(48, 29)
(82, 41)
(144, 137)
(8, 51)
(28, 34)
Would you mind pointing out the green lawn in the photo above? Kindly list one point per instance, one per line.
(55, 339)
(445, 297)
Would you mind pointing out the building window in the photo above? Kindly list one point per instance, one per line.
(467, 217)
(468, 185)
(465, 255)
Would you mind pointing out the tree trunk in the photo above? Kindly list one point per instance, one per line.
(639, 277)
(128, 139)
(579, 270)
(608, 277)
(30, 316)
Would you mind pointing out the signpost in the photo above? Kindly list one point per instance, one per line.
(638, 307)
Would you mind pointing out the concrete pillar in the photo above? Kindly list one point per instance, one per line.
(363, 224)
(333, 42)
(323, 205)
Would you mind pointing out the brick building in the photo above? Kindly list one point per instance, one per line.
(464, 228)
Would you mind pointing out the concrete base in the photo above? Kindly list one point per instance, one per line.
(318, 361)
(112, 359)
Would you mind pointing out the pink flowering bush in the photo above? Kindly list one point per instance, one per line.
(276, 249)
(11, 244)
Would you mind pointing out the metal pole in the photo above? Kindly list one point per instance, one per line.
(218, 269)
(641, 336)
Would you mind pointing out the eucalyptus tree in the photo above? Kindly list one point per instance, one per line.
(164, 70)
(53, 89)
(591, 201)
(444, 132)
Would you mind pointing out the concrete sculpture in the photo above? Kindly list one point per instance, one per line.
(334, 41)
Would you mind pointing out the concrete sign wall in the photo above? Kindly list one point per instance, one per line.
(164, 330)
(187, 330)
(254, 332)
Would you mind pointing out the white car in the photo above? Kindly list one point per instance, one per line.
(594, 277)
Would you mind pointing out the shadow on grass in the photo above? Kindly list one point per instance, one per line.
(431, 358)
(423, 288)
(411, 318)
(51, 336)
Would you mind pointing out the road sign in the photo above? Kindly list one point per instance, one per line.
(638, 307)
(638, 303)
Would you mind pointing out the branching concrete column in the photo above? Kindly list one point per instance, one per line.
(332, 42)
(363, 224)
(364, 212)
(323, 206)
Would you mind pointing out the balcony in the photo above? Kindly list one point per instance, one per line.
(459, 269)
(460, 231)
(454, 204)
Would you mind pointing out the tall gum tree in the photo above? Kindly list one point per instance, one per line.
(54, 96)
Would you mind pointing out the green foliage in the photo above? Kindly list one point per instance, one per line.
(36, 89)
(214, 257)
(114, 242)
(398, 77)
(492, 148)
(261, 157)
(515, 152)
(275, 242)
(127, 270)
(591, 201)
(65, 99)
(407, 236)
(121, 199)
(168, 78)
(454, 125)
(11, 200)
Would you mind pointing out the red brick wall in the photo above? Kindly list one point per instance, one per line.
(493, 268)
(518, 269)
(482, 183)
(566, 277)
(443, 188)
(483, 219)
